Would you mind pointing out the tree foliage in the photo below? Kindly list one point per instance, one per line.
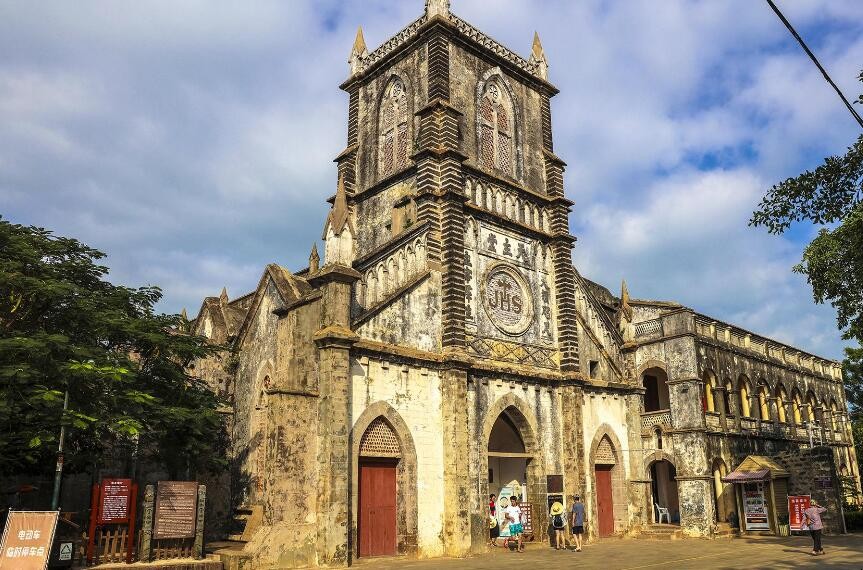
(64, 326)
(833, 262)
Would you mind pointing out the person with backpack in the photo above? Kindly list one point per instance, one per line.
(558, 523)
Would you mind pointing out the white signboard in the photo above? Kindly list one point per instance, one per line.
(755, 507)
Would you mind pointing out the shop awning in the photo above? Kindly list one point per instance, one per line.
(745, 476)
(756, 468)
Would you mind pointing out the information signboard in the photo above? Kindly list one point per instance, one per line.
(27, 538)
(176, 509)
(755, 507)
(114, 501)
(796, 505)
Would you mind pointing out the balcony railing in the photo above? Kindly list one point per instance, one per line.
(658, 418)
(712, 420)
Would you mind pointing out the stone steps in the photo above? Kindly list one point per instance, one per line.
(660, 532)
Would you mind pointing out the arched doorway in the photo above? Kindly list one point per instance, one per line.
(663, 490)
(512, 461)
(605, 464)
(383, 474)
(379, 458)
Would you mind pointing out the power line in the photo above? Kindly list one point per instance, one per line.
(814, 59)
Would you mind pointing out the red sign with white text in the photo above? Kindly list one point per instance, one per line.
(796, 505)
(114, 501)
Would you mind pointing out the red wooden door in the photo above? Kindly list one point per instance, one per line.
(604, 500)
(377, 509)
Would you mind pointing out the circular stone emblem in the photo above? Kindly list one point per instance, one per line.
(507, 299)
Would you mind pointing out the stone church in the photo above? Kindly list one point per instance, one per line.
(445, 347)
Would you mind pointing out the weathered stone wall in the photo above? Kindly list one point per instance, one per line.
(374, 213)
(466, 71)
(813, 472)
(411, 67)
(413, 320)
(414, 393)
(256, 358)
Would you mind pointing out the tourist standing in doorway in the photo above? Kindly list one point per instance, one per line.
(513, 514)
(494, 527)
(558, 523)
(812, 520)
(577, 521)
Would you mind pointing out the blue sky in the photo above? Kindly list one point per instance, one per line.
(193, 142)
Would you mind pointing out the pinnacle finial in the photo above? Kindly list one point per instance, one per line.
(359, 42)
(183, 314)
(624, 301)
(537, 57)
(537, 50)
(224, 295)
(314, 259)
(437, 8)
(358, 52)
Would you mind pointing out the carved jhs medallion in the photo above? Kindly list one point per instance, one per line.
(507, 299)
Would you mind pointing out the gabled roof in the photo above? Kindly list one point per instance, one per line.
(757, 468)
(291, 289)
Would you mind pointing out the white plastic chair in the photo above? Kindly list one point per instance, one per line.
(663, 512)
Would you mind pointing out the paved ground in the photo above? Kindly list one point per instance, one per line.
(757, 553)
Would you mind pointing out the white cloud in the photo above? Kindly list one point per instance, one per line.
(194, 142)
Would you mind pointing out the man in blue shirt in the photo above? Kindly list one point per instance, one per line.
(577, 521)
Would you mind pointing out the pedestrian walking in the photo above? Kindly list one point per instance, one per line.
(812, 520)
(558, 523)
(493, 526)
(577, 521)
(513, 514)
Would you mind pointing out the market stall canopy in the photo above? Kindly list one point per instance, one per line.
(756, 468)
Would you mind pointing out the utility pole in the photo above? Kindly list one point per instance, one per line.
(58, 474)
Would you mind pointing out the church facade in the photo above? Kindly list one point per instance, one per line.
(446, 348)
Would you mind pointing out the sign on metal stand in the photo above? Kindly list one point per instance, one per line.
(27, 539)
(113, 502)
(796, 505)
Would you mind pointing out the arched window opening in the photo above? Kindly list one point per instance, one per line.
(394, 128)
(781, 403)
(726, 400)
(745, 391)
(796, 405)
(812, 409)
(658, 438)
(763, 404)
(656, 397)
(834, 411)
(709, 384)
(496, 129)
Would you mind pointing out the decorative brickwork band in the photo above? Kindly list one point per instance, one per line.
(547, 139)
(438, 68)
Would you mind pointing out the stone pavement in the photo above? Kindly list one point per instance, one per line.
(751, 553)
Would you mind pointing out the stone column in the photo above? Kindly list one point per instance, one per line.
(334, 341)
(723, 419)
(816, 412)
(806, 414)
(456, 500)
(734, 404)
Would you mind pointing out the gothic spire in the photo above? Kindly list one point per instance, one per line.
(183, 314)
(624, 301)
(339, 216)
(314, 259)
(223, 297)
(537, 57)
(358, 52)
(339, 230)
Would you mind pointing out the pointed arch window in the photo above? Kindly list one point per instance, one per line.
(496, 123)
(394, 131)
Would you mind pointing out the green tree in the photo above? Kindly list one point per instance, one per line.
(64, 326)
(831, 195)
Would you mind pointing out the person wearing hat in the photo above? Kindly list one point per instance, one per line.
(558, 523)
